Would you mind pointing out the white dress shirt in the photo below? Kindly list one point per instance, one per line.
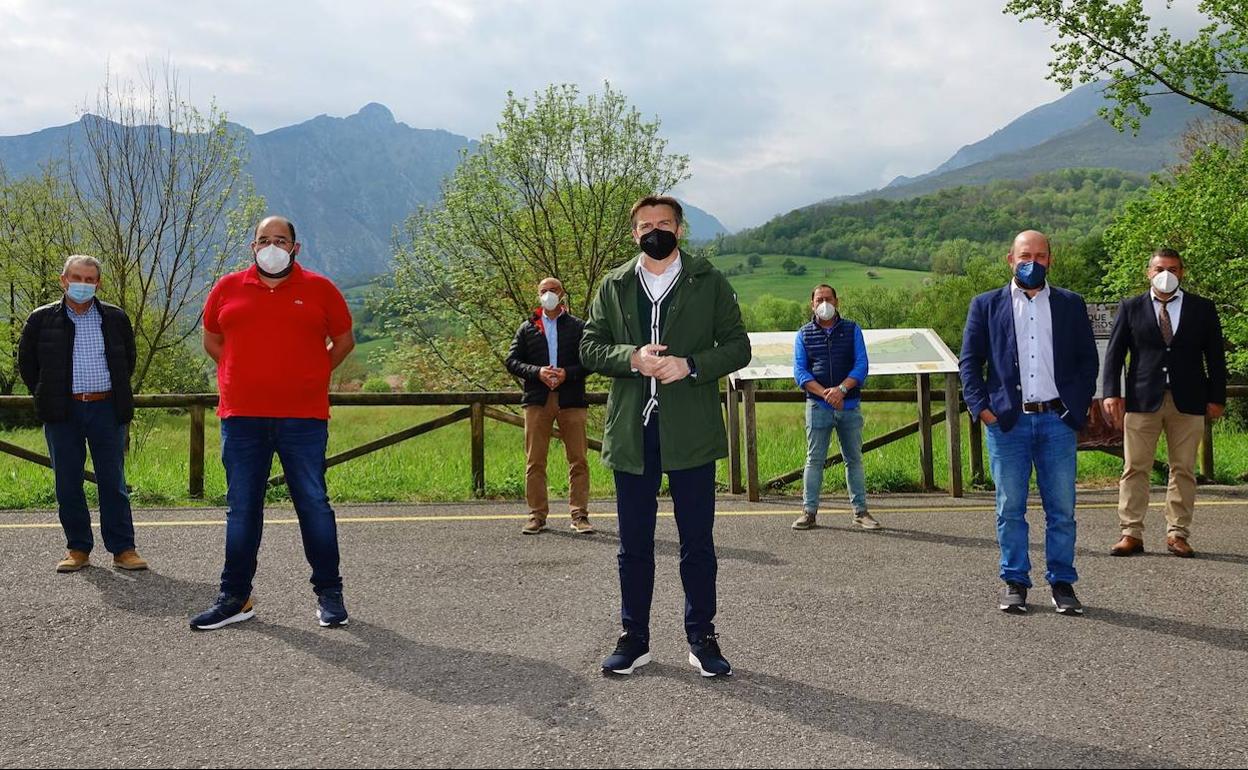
(1033, 331)
(658, 284)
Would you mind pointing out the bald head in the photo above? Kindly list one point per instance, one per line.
(1030, 242)
(271, 224)
(550, 284)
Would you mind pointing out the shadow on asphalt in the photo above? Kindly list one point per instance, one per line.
(1226, 638)
(927, 736)
(539, 690)
(671, 548)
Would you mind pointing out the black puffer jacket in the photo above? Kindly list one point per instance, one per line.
(45, 359)
(529, 354)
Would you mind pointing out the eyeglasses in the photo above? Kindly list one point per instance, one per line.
(279, 241)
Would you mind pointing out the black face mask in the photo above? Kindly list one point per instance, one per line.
(658, 244)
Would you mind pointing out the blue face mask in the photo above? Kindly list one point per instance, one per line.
(1030, 275)
(81, 292)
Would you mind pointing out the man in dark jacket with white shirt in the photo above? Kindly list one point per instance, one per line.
(1175, 379)
(545, 356)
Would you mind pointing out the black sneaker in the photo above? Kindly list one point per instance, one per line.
(1065, 601)
(228, 609)
(631, 652)
(704, 655)
(1013, 599)
(330, 609)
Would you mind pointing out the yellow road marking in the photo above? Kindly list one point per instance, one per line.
(609, 515)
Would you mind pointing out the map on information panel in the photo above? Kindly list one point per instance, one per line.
(889, 351)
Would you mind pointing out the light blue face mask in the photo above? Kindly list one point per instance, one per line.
(81, 292)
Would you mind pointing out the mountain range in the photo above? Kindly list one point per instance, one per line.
(1066, 133)
(347, 183)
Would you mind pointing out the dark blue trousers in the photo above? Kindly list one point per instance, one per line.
(247, 448)
(693, 498)
(91, 425)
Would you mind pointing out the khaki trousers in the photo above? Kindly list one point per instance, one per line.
(538, 422)
(1183, 435)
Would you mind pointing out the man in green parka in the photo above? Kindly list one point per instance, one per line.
(665, 327)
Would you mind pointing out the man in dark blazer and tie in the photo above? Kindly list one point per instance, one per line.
(1176, 378)
(1036, 342)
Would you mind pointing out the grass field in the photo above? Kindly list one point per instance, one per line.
(770, 278)
(436, 466)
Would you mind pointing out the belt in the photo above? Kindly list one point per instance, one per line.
(92, 396)
(1035, 407)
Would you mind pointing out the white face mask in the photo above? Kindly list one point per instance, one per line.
(272, 259)
(826, 311)
(549, 300)
(1165, 282)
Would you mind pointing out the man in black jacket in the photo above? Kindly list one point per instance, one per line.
(1175, 379)
(77, 356)
(545, 356)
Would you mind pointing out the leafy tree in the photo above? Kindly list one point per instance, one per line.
(1202, 211)
(37, 233)
(163, 203)
(547, 194)
(1114, 38)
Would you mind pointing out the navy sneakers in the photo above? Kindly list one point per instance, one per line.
(704, 655)
(227, 610)
(631, 652)
(331, 611)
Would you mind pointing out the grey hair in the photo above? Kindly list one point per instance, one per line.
(82, 259)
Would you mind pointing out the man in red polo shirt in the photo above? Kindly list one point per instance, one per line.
(276, 332)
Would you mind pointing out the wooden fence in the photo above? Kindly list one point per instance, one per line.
(476, 407)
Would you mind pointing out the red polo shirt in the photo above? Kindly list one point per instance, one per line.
(275, 363)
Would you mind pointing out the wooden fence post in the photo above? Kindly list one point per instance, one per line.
(925, 432)
(751, 443)
(731, 397)
(196, 461)
(953, 424)
(477, 421)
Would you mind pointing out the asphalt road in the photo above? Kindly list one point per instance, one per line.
(471, 645)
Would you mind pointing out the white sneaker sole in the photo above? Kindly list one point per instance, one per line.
(1013, 609)
(641, 661)
(589, 531)
(1068, 611)
(330, 625)
(693, 661)
(864, 525)
(239, 618)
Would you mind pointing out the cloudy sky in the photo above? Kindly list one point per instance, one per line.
(778, 104)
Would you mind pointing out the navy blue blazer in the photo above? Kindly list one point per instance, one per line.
(989, 339)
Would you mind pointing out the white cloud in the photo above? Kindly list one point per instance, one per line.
(778, 105)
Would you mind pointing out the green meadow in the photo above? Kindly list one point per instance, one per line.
(770, 277)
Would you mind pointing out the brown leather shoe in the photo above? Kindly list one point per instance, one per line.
(581, 526)
(73, 561)
(129, 560)
(1179, 547)
(534, 525)
(1127, 546)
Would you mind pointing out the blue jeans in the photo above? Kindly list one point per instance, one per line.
(1046, 443)
(637, 504)
(819, 425)
(247, 448)
(91, 425)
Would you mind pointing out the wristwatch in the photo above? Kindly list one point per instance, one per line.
(693, 370)
(843, 389)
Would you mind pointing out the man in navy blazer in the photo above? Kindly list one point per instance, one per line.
(1037, 343)
(1176, 378)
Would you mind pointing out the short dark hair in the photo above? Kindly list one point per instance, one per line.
(815, 291)
(1168, 254)
(657, 200)
(289, 224)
